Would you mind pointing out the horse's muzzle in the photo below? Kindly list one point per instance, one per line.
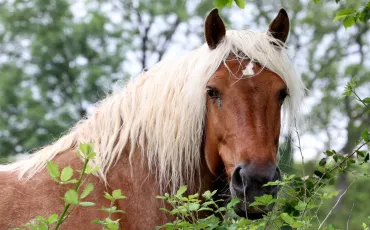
(247, 183)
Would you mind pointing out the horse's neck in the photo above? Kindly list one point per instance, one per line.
(136, 176)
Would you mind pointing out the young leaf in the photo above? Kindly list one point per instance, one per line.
(117, 193)
(240, 3)
(193, 207)
(220, 3)
(71, 197)
(349, 21)
(108, 196)
(366, 100)
(97, 222)
(323, 161)
(181, 190)
(326, 196)
(288, 219)
(86, 149)
(91, 155)
(86, 204)
(234, 201)
(346, 12)
(53, 218)
(229, 3)
(365, 135)
(90, 170)
(67, 174)
(87, 190)
(53, 169)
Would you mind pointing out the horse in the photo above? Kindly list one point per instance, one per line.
(210, 119)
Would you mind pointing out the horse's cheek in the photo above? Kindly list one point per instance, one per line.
(214, 162)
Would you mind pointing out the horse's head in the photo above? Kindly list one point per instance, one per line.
(243, 119)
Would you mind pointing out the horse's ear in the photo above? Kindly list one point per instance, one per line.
(279, 27)
(214, 29)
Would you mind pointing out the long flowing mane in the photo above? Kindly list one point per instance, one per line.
(162, 112)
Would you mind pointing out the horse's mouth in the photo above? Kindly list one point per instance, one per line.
(252, 213)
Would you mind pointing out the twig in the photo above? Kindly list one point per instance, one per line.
(66, 207)
(359, 99)
(350, 214)
(331, 210)
(303, 166)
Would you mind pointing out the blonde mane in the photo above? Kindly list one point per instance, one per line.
(163, 111)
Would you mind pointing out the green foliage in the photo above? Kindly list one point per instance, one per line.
(352, 16)
(72, 196)
(228, 3)
(108, 223)
(191, 212)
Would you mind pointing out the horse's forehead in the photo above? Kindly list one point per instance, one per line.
(237, 69)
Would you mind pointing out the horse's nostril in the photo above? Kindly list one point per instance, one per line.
(238, 182)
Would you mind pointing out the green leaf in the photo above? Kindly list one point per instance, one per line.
(364, 15)
(87, 190)
(229, 3)
(329, 153)
(263, 200)
(108, 196)
(240, 3)
(91, 155)
(207, 194)
(67, 173)
(326, 196)
(53, 169)
(360, 153)
(117, 194)
(343, 14)
(366, 100)
(366, 158)
(316, 1)
(97, 222)
(42, 219)
(86, 149)
(86, 204)
(193, 207)
(323, 161)
(73, 181)
(346, 12)
(220, 3)
(349, 21)
(112, 226)
(365, 135)
(288, 219)
(53, 218)
(93, 170)
(181, 190)
(71, 197)
(234, 201)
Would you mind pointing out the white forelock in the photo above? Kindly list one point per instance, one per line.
(162, 112)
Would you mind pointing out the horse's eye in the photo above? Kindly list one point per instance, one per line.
(213, 93)
(282, 95)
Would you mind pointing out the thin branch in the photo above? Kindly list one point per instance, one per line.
(350, 214)
(303, 165)
(331, 210)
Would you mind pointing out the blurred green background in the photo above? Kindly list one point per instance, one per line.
(58, 57)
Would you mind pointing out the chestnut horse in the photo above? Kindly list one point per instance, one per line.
(215, 113)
